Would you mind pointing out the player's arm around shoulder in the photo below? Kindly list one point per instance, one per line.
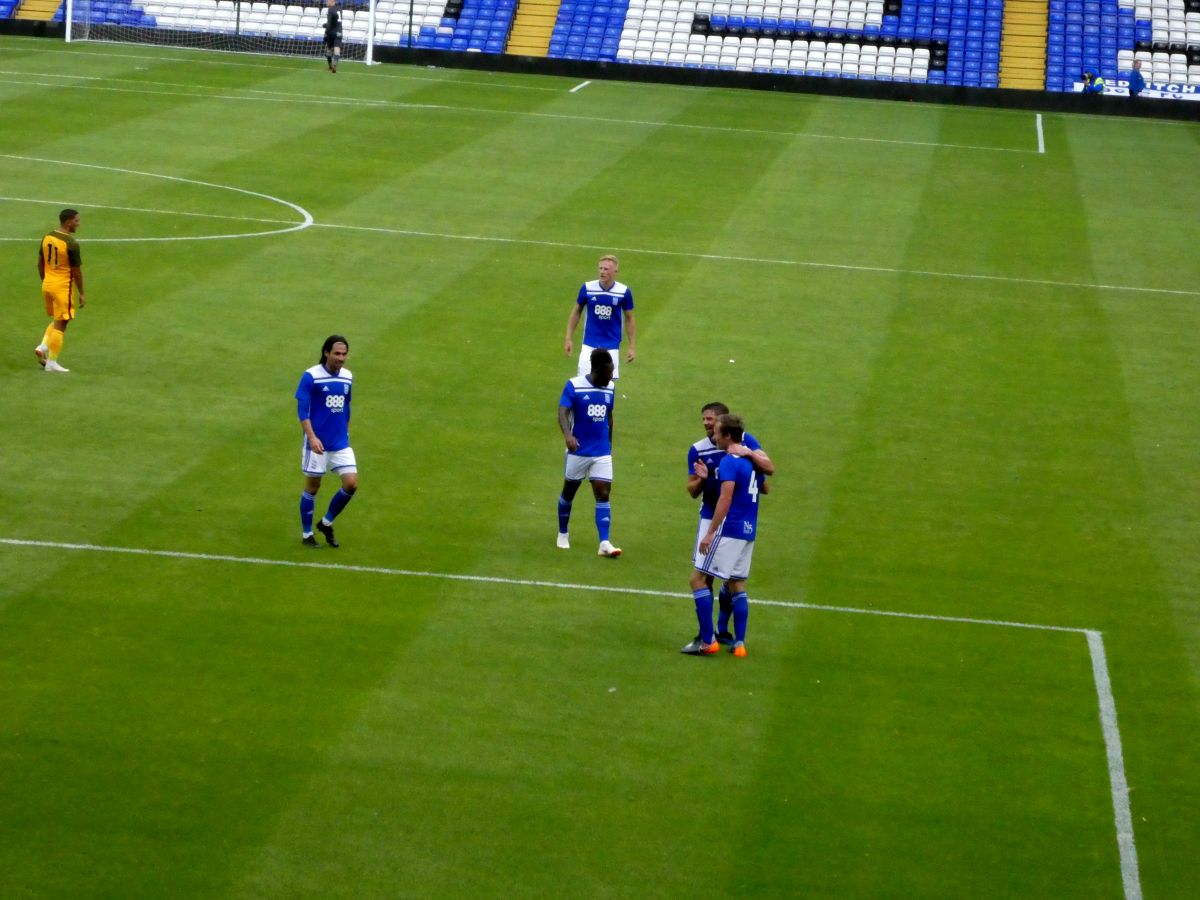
(757, 458)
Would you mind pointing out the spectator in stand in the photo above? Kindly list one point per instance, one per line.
(1093, 83)
(1137, 83)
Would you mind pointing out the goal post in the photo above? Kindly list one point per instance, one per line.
(282, 28)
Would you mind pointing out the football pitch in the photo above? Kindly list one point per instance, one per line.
(967, 338)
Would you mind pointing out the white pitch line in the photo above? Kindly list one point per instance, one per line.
(522, 582)
(580, 86)
(304, 66)
(1119, 786)
(1041, 137)
(293, 226)
(323, 100)
(716, 257)
(146, 82)
(1122, 815)
(763, 260)
(195, 95)
(141, 209)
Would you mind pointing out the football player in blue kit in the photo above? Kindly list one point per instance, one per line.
(323, 405)
(607, 303)
(725, 550)
(704, 456)
(585, 415)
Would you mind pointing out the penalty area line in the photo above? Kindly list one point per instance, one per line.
(517, 582)
(1118, 783)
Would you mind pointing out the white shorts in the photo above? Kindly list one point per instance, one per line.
(593, 468)
(701, 531)
(317, 464)
(728, 558)
(585, 361)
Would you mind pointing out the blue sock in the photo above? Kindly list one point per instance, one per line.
(725, 601)
(741, 614)
(308, 503)
(603, 519)
(564, 515)
(336, 505)
(704, 603)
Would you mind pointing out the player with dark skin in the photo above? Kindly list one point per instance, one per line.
(601, 376)
(70, 226)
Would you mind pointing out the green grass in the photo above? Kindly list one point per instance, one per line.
(973, 365)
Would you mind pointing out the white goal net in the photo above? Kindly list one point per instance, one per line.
(293, 28)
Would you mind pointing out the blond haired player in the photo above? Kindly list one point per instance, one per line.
(605, 302)
(61, 271)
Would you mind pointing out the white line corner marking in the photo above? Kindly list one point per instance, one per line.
(1119, 785)
(580, 86)
(1041, 136)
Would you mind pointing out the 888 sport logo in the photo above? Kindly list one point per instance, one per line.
(335, 402)
(598, 411)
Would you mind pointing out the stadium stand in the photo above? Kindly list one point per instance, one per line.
(937, 41)
(463, 25)
(952, 42)
(588, 29)
(1102, 36)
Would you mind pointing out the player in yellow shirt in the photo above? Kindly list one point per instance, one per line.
(61, 271)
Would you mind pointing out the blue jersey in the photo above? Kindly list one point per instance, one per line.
(712, 455)
(325, 399)
(741, 521)
(605, 312)
(591, 410)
